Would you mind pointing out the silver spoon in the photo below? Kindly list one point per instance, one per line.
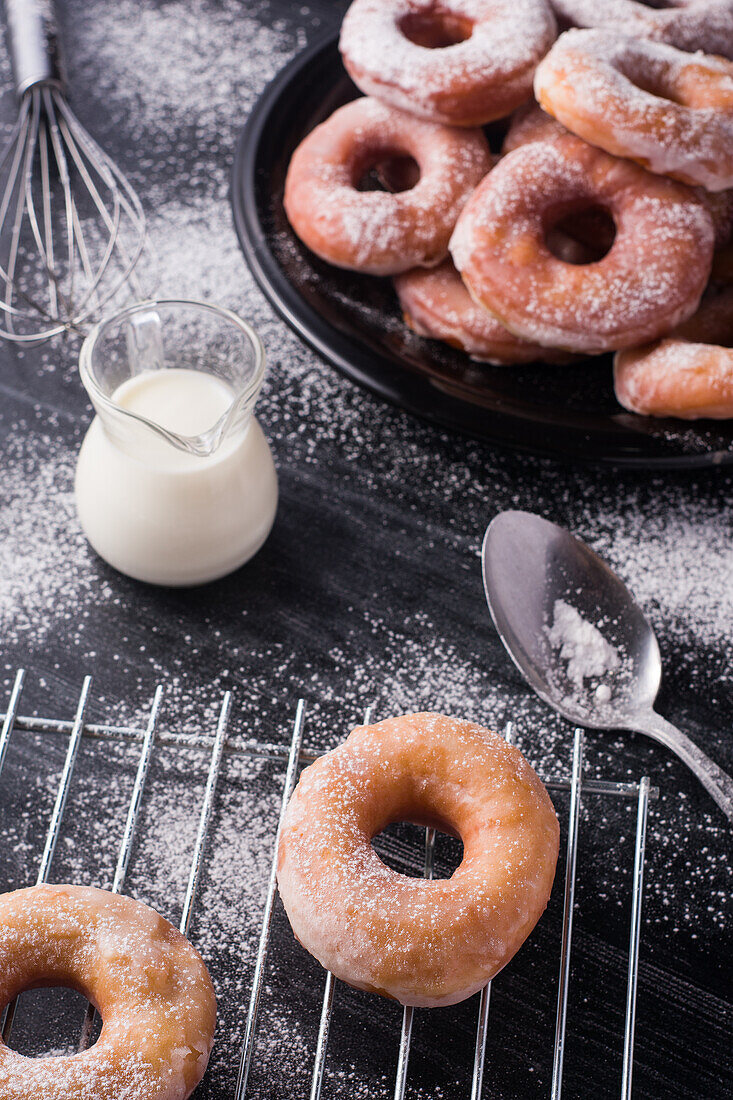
(529, 564)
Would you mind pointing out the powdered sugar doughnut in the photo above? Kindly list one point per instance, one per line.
(462, 62)
(691, 25)
(422, 942)
(531, 123)
(374, 231)
(665, 109)
(690, 373)
(650, 280)
(150, 987)
(436, 304)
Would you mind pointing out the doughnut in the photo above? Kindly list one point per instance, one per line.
(691, 25)
(531, 123)
(421, 942)
(460, 62)
(689, 374)
(436, 304)
(149, 985)
(651, 279)
(377, 232)
(670, 111)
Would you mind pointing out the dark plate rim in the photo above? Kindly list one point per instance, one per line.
(358, 364)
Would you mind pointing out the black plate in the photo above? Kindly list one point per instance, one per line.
(354, 321)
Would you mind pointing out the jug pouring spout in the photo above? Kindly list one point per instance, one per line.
(186, 374)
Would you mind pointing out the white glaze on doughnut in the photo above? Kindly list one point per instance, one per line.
(650, 281)
(690, 25)
(595, 82)
(423, 942)
(465, 84)
(379, 232)
(150, 986)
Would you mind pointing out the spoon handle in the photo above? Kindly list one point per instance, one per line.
(717, 782)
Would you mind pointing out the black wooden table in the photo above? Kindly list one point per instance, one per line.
(367, 593)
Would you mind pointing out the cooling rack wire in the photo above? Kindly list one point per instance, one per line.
(77, 728)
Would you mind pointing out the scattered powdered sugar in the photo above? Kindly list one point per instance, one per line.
(45, 574)
(581, 644)
(679, 566)
(182, 71)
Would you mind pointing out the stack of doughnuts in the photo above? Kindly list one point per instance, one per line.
(605, 225)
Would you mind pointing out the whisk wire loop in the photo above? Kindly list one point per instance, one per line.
(72, 228)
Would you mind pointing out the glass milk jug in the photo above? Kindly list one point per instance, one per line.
(175, 482)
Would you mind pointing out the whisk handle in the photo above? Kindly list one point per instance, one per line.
(34, 47)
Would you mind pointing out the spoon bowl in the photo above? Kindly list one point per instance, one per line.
(530, 564)
(576, 634)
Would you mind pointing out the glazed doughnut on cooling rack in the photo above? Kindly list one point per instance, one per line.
(426, 943)
(206, 753)
(146, 980)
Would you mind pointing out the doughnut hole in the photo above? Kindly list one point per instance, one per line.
(401, 846)
(580, 235)
(692, 86)
(660, 84)
(398, 173)
(386, 170)
(436, 28)
(48, 1022)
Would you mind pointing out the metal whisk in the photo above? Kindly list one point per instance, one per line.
(71, 227)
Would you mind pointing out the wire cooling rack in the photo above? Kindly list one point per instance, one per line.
(77, 728)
